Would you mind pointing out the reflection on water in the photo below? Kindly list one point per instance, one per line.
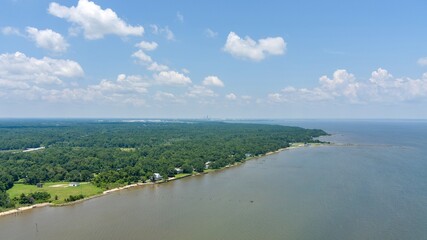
(372, 190)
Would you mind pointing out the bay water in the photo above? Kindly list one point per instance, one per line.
(370, 184)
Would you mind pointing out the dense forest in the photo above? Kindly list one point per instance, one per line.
(108, 153)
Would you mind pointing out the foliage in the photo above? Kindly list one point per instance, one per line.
(73, 198)
(5, 201)
(84, 150)
(32, 198)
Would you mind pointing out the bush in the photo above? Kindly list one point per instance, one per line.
(73, 198)
(32, 198)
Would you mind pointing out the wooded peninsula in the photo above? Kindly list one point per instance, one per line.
(113, 153)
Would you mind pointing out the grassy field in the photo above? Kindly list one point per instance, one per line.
(60, 189)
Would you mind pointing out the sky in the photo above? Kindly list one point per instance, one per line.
(217, 59)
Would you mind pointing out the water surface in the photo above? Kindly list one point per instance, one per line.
(375, 188)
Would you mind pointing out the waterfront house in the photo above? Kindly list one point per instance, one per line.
(178, 170)
(207, 164)
(157, 177)
(74, 184)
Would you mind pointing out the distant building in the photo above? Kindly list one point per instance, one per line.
(157, 177)
(39, 185)
(248, 155)
(74, 184)
(178, 170)
(207, 164)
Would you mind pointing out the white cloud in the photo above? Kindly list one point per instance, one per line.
(291, 94)
(231, 96)
(19, 67)
(142, 56)
(275, 97)
(155, 67)
(124, 90)
(180, 17)
(343, 86)
(47, 39)
(145, 59)
(10, 84)
(95, 21)
(10, 31)
(247, 48)
(200, 91)
(163, 31)
(147, 46)
(186, 71)
(167, 97)
(210, 33)
(213, 81)
(171, 78)
(123, 84)
(380, 77)
(422, 61)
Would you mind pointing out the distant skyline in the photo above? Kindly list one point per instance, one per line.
(222, 59)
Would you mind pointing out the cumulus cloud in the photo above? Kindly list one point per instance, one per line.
(123, 84)
(147, 46)
(162, 31)
(124, 90)
(231, 96)
(142, 56)
(18, 67)
(380, 77)
(47, 39)
(422, 61)
(95, 21)
(343, 86)
(145, 59)
(210, 33)
(171, 78)
(155, 67)
(248, 48)
(200, 91)
(342, 83)
(213, 81)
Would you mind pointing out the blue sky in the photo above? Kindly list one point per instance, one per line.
(224, 59)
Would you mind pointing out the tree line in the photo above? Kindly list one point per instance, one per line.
(115, 153)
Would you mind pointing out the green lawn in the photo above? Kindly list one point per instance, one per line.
(181, 175)
(60, 189)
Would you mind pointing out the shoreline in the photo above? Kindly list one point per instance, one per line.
(19, 210)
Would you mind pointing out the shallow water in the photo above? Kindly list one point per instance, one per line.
(375, 188)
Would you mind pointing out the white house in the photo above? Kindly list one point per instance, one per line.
(157, 177)
(178, 170)
(207, 164)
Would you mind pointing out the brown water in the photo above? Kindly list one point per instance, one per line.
(358, 192)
